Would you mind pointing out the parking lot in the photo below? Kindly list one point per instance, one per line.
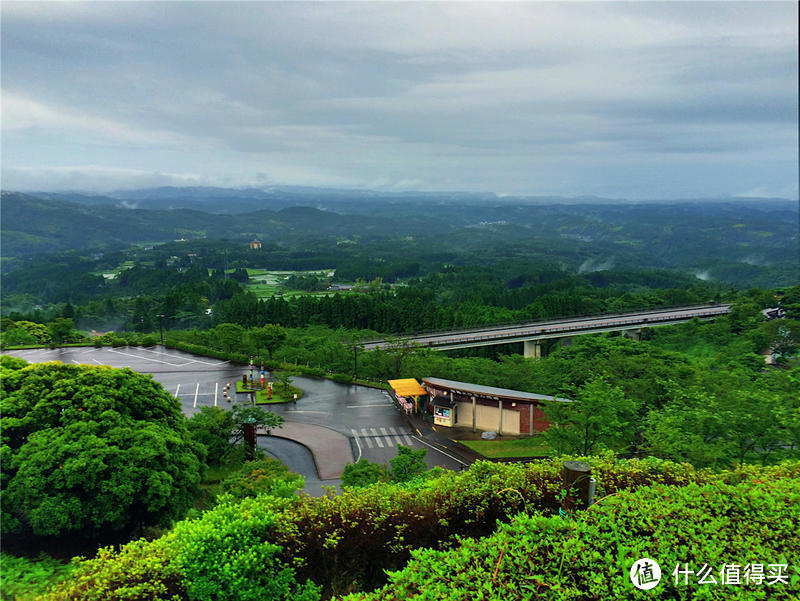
(366, 416)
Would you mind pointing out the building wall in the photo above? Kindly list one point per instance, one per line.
(516, 419)
(487, 417)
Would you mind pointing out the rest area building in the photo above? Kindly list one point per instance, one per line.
(478, 407)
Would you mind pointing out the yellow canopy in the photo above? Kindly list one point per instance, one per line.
(407, 387)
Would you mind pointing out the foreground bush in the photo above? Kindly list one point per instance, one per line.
(346, 542)
(589, 557)
(225, 554)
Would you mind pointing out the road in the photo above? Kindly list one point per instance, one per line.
(366, 416)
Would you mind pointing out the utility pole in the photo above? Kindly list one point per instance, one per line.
(161, 326)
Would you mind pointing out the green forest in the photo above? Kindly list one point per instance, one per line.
(110, 493)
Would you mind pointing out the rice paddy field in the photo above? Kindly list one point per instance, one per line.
(265, 283)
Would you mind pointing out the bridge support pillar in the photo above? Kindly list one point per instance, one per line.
(633, 334)
(532, 348)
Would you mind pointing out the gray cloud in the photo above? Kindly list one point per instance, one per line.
(639, 100)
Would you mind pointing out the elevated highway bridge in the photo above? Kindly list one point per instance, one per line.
(532, 334)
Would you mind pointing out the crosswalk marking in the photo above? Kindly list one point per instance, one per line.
(402, 438)
(366, 437)
(388, 437)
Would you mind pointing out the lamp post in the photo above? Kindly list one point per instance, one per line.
(161, 326)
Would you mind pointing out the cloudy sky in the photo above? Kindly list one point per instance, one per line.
(629, 100)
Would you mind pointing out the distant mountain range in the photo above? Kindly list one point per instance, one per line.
(51, 222)
(234, 201)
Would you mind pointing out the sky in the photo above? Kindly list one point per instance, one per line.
(640, 100)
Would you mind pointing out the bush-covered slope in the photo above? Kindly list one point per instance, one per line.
(344, 543)
(589, 557)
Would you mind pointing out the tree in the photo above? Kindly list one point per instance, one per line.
(269, 337)
(229, 335)
(61, 330)
(408, 463)
(725, 417)
(212, 427)
(284, 379)
(363, 473)
(88, 449)
(260, 419)
(600, 416)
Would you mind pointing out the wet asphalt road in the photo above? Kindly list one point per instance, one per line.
(367, 416)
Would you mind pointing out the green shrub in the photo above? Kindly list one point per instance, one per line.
(264, 476)
(22, 579)
(347, 542)
(223, 555)
(363, 473)
(589, 558)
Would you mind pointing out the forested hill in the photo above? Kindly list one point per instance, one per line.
(741, 243)
(33, 225)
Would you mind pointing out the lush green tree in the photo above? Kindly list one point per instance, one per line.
(248, 415)
(727, 416)
(229, 335)
(14, 336)
(88, 449)
(601, 416)
(212, 427)
(62, 330)
(408, 463)
(363, 473)
(268, 337)
(284, 379)
(37, 330)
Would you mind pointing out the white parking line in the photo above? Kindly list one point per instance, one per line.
(371, 405)
(216, 390)
(75, 362)
(165, 354)
(147, 358)
(358, 444)
(377, 440)
(366, 437)
(177, 390)
(196, 390)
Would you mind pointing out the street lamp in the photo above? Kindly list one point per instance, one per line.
(161, 326)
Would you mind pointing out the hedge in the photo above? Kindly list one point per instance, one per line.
(346, 542)
(589, 558)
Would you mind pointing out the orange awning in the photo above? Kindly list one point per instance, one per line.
(407, 387)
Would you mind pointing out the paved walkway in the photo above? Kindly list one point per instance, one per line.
(330, 449)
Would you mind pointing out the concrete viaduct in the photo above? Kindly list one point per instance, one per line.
(533, 334)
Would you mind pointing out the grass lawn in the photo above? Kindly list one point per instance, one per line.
(278, 394)
(518, 447)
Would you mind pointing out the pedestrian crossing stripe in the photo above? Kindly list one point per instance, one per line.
(391, 438)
